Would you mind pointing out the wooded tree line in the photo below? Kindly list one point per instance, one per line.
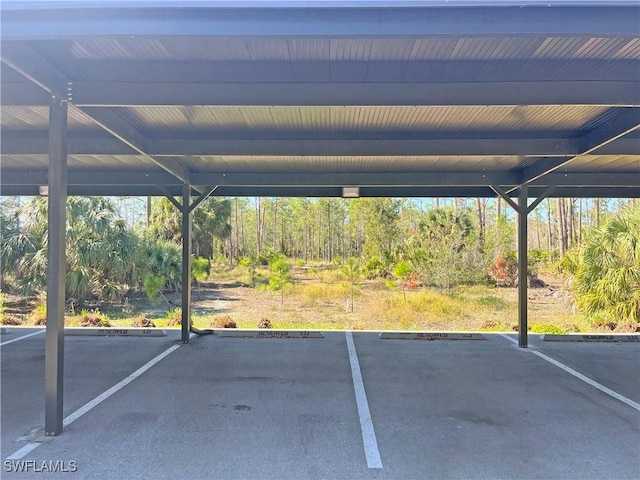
(430, 242)
(324, 230)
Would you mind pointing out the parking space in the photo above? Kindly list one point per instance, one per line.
(491, 410)
(92, 365)
(286, 408)
(615, 365)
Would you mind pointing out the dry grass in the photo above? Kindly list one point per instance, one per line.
(319, 300)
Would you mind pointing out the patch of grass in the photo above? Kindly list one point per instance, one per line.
(546, 328)
(8, 319)
(174, 317)
(423, 309)
(492, 302)
(39, 315)
(495, 326)
(314, 292)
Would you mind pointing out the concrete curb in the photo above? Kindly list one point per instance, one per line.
(115, 332)
(617, 337)
(430, 336)
(235, 333)
(4, 331)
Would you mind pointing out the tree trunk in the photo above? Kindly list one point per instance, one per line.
(481, 221)
(580, 221)
(562, 225)
(258, 221)
(549, 230)
(597, 212)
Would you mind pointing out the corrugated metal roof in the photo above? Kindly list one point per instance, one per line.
(410, 163)
(354, 49)
(537, 54)
(361, 119)
(121, 162)
(24, 161)
(37, 117)
(607, 163)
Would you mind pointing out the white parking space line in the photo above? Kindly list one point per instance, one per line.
(118, 386)
(29, 447)
(22, 337)
(580, 376)
(99, 399)
(366, 425)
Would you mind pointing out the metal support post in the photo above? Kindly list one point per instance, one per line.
(186, 262)
(57, 191)
(523, 212)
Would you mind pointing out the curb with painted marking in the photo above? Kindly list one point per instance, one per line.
(4, 331)
(430, 336)
(618, 337)
(115, 332)
(233, 333)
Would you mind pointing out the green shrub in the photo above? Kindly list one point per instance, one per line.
(153, 285)
(200, 268)
(546, 328)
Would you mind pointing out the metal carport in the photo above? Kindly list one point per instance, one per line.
(289, 98)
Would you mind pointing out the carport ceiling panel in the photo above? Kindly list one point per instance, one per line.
(220, 49)
(37, 118)
(98, 162)
(354, 120)
(408, 163)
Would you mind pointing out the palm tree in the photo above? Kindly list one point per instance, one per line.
(100, 251)
(607, 277)
(210, 221)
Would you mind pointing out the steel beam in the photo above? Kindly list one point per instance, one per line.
(624, 123)
(142, 179)
(295, 144)
(292, 191)
(324, 68)
(54, 347)
(380, 179)
(136, 94)
(186, 262)
(35, 68)
(21, 21)
(22, 94)
(523, 265)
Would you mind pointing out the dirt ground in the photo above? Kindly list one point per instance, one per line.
(311, 303)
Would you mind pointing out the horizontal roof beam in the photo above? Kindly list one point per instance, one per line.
(417, 192)
(21, 144)
(24, 22)
(326, 69)
(276, 179)
(128, 178)
(132, 94)
(365, 147)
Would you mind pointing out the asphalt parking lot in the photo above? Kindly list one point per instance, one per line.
(335, 407)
